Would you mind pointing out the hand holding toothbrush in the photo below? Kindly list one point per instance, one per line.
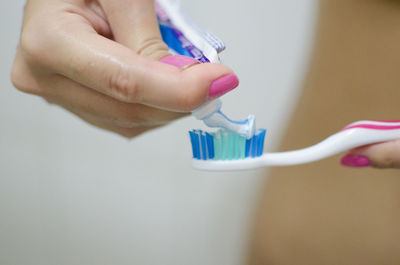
(381, 155)
(100, 60)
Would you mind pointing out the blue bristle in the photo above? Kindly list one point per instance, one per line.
(203, 146)
(254, 146)
(248, 144)
(260, 145)
(210, 146)
(191, 133)
(197, 144)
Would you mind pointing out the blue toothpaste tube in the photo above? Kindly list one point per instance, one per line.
(186, 38)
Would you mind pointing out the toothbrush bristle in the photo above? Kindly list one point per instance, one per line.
(223, 145)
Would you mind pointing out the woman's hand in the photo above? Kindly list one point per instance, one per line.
(382, 155)
(100, 60)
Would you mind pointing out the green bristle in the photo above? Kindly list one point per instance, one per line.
(220, 143)
(231, 147)
(242, 147)
(236, 147)
(217, 146)
(224, 145)
(239, 146)
(228, 146)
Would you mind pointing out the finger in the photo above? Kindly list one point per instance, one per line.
(125, 132)
(382, 155)
(135, 25)
(103, 109)
(79, 53)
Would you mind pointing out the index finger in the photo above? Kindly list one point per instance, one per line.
(92, 60)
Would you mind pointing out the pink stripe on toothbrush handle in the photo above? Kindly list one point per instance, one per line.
(373, 127)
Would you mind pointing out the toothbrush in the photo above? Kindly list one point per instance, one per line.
(224, 151)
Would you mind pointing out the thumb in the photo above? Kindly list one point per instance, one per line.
(134, 25)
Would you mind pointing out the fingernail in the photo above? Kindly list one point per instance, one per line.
(355, 161)
(223, 85)
(179, 60)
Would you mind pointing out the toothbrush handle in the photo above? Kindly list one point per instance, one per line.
(337, 143)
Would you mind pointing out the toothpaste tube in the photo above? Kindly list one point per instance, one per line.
(186, 38)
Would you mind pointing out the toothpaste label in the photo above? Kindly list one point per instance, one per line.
(186, 38)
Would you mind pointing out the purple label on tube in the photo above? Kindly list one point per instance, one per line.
(186, 44)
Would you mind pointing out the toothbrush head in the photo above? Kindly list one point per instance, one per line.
(224, 145)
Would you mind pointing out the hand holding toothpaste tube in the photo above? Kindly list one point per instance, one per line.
(100, 60)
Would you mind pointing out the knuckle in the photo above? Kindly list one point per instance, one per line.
(123, 83)
(387, 162)
(19, 79)
(390, 157)
(16, 77)
(31, 47)
(152, 47)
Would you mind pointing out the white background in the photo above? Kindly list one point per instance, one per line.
(75, 195)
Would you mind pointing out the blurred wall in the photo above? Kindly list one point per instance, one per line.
(73, 194)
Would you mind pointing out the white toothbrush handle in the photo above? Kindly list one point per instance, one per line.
(337, 143)
(352, 136)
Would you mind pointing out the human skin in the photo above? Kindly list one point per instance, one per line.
(101, 61)
(324, 213)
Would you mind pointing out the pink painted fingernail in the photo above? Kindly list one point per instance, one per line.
(223, 85)
(355, 161)
(179, 60)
